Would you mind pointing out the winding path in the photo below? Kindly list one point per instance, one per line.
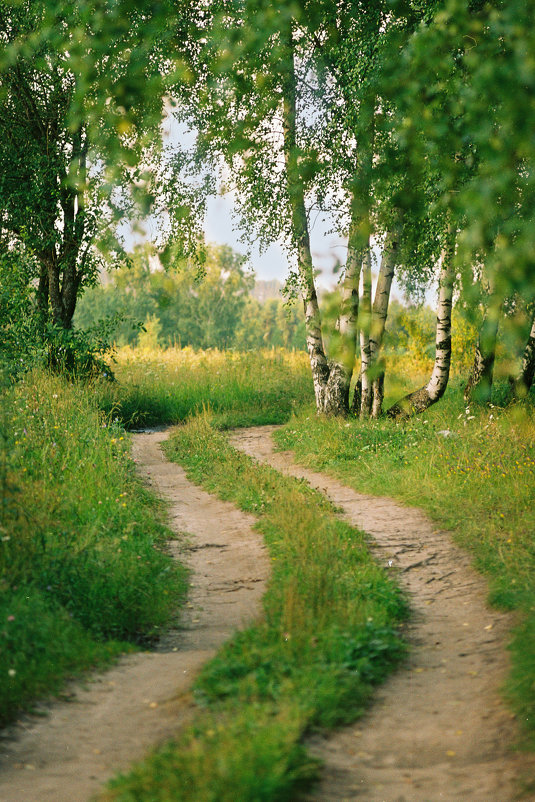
(119, 715)
(438, 728)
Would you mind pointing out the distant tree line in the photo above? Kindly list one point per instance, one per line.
(142, 305)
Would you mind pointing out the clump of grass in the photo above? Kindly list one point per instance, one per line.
(473, 470)
(330, 632)
(166, 386)
(82, 568)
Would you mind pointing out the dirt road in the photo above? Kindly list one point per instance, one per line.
(117, 716)
(438, 729)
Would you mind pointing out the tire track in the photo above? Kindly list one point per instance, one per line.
(438, 729)
(113, 718)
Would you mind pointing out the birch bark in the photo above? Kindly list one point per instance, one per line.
(365, 344)
(296, 194)
(341, 368)
(421, 399)
(522, 385)
(379, 315)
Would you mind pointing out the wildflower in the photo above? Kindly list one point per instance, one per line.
(11, 618)
(11, 672)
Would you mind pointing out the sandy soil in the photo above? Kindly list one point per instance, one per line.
(438, 729)
(115, 717)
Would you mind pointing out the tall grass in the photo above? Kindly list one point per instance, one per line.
(166, 386)
(82, 565)
(473, 470)
(328, 634)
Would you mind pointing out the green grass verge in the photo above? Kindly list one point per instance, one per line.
(82, 566)
(329, 633)
(473, 471)
(240, 389)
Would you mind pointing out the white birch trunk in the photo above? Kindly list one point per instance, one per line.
(522, 385)
(314, 340)
(379, 315)
(341, 367)
(528, 360)
(421, 399)
(365, 344)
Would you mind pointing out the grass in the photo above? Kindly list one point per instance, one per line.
(240, 389)
(473, 471)
(83, 572)
(329, 633)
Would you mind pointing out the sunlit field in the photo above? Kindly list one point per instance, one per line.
(166, 386)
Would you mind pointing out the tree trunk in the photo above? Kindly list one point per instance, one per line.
(379, 315)
(420, 400)
(365, 343)
(479, 385)
(522, 385)
(49, 262)
(314, 340)
(341, 368)
(42, 296)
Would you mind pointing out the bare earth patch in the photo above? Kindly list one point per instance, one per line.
(438, 729)
(117, 716)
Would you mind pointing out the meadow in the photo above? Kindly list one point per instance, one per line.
(157, 386)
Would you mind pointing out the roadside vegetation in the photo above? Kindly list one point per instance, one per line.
(330, 631)
(83, 569)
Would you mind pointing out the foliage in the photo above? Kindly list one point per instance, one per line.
(329, 633)
(19, 334)
(488, 457)
(79, 570)
(214, 310)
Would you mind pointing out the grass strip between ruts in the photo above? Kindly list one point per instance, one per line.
(330, 631)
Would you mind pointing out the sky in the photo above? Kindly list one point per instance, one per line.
(220, 227)
(328, 249)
